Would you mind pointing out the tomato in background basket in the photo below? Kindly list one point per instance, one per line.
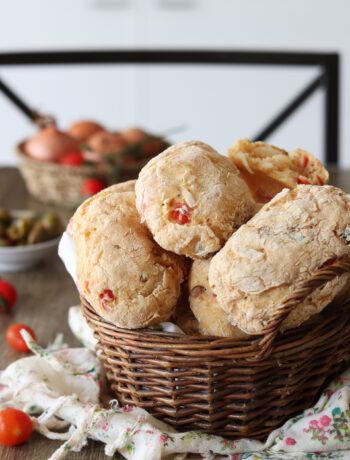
(8, 296)
(72, 159)
(92, 186)
(15, 427)
(14, 338)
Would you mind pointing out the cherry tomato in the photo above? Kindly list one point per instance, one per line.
(8, 296)
(92, 186)
(72, 159)
(319, 180)
(14, 338)
(180, 214)
(15, 427)
(106, 296)
(301, 180)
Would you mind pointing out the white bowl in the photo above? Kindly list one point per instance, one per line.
(18, 258)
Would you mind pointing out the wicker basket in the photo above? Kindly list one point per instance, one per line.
(235, 388)
(57, 184)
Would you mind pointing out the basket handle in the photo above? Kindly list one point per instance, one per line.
(42, 121)
(330, 270)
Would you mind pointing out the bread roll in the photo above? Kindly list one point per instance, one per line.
(288, 240)
(192, 199)
(267, 169)
(126, 277)
(212, 318)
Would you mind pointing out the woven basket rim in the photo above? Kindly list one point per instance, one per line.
(260, 342)
(149, 332)
(164, 337)
(50, 165)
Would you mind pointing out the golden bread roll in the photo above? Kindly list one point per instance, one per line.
(126, 277)
(192, 199)
(268, 169)
(288, 240)
(212, 318)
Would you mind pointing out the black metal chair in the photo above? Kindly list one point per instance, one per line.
(328, 78)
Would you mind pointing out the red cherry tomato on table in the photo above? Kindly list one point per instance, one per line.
(14, 338)
(8, 296)
(92, 186)
(72, 159)
(15, 427)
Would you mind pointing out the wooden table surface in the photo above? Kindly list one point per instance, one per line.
(45, 294)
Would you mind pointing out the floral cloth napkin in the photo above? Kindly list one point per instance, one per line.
(60, 389)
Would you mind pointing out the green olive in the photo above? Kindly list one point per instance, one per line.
(52, 223)
(22, 242)
(3, 242)
(5, 216)
(20, 228)
(38, 233)
(3, 227)
(13, 232)
(21, 231)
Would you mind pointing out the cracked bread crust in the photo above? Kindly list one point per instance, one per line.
(292, 236)
(212, 319)
(268, 169)
(127, 186)
(127, 278)
(192, 199)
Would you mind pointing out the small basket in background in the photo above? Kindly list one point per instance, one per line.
(52, 183)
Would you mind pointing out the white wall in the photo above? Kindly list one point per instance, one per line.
(216, 105)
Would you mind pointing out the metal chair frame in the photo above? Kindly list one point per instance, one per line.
(328, 78)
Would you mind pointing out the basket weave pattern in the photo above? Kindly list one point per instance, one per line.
(235, 388)
(53, 183)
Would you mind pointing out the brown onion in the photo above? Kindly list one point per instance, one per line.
(134, 135)
(50, 145)
(105, 142)
(82, 130)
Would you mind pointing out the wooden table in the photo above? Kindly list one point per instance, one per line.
(44, 295)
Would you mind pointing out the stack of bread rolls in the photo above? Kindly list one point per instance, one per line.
(212, 243)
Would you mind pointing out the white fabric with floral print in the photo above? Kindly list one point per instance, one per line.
(60, 388)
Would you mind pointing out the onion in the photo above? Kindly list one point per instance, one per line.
(134, 135)
(84, 129)
(105, 142)
(50, 145)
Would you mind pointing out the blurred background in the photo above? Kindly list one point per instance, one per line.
(216, 104)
